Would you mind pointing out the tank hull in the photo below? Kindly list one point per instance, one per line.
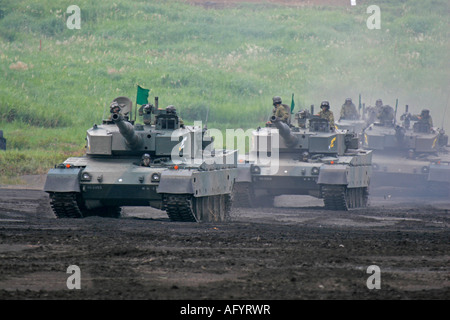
(330, 179)
(415, 176)
(408, 159)
(99, 183)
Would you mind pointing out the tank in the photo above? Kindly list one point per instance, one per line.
(411, 156)
(160, 163)
(310, 159)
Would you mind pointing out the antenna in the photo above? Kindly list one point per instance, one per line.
(395, 114)
(206, 122)
(359, 107)
(445, 112)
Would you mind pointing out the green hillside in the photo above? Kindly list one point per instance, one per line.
(56, 81)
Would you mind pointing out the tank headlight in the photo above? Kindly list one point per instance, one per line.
(255, 169)
(86, 176)
(315, 171)
(155, 177)
(425, 169)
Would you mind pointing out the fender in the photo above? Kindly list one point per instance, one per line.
(197, 183)
(176, 181)
(439, 172)
(63, 180)
(244, 174)
(333, 174)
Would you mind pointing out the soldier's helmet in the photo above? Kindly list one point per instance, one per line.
(348, 100)
(305, 156)
(379, 103)
(325, 104)
(145, 160)
(114, 107)
(276, 100)
(425, 112)
(171, 109)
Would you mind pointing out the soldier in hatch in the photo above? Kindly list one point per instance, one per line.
(386, 115)
(146, 160)
(326, 113)
(372, 112)
(280, 110)
(348, 110)
(424, 117)
(172, 109)
(145, 111)
(114, 108)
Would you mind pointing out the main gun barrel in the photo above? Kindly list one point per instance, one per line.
(127, 131)
(290, 139)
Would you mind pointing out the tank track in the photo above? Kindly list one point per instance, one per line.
(340, 198)
(65, 205)
(179, 208)
(186, 208)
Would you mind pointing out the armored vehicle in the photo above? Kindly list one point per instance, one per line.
(161, 163)
(304, 159)
(408, 155)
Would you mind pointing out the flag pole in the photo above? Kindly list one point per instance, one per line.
(292, 104)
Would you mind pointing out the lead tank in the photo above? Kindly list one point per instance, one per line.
(305, 159)
(410, 156)
(160, 163)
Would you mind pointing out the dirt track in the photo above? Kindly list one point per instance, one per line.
(295, 252)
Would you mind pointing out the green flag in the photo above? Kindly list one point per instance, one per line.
(292, 104)
(142, 95)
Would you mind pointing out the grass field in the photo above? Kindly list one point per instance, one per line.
(56, 81)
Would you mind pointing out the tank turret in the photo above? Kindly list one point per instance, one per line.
(127, 131)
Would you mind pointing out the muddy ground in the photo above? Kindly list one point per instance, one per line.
(294, 251)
